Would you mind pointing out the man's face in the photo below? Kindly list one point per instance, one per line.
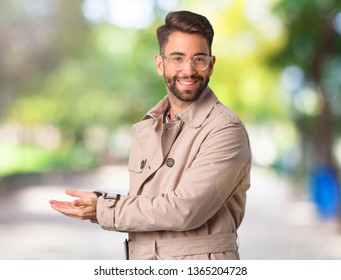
(188, 83)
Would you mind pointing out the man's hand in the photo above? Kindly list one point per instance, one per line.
(83, 208)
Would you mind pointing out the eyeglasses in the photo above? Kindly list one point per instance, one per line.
(177, 62)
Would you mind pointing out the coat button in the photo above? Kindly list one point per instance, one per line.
(170, 162)
(143, 163)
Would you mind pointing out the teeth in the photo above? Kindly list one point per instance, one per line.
(186, 83)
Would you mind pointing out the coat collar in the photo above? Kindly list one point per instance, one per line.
(194, 115)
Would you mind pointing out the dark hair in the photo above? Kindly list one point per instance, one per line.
(187, 22)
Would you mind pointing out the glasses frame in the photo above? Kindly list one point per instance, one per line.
(186, 60)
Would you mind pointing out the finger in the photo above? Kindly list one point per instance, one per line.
(73, 193)
(56, 202)
(81, 213)
(65, 208)
(68, 213)
(85, 202)
(58, 205)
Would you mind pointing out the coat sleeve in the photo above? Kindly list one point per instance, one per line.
(214, 176)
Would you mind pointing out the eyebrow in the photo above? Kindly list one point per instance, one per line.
(182, 54)
(177, 53)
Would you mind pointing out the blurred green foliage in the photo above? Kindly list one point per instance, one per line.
(29, 158)
(313, 50)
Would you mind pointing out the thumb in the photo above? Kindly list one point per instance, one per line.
(75, 193)
(78, 203)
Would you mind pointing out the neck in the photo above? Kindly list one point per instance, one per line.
(177, 106)
(172, 115)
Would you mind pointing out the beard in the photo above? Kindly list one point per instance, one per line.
(189, 95)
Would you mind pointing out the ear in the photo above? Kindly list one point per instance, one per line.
(159, 64)
(212, 65)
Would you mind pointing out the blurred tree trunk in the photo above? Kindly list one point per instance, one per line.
(324, 125)
(324, 129)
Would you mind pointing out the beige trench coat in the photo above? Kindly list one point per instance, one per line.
(188, 184)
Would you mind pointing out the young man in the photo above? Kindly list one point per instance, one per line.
(189, 164)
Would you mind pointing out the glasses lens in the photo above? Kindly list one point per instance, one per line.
(176, 61)
(200, 62)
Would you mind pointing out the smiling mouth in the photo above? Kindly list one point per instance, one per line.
(187, 82)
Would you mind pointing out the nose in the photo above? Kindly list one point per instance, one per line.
(188, 68)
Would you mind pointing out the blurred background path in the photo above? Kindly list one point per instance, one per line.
(280, 222)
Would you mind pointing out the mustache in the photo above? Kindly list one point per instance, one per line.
(192, 77)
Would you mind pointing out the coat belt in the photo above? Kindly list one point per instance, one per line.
(190, 245)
